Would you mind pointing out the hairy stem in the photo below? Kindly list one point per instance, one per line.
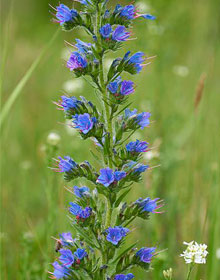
(108, 213)
(104, 93)
(108, 119)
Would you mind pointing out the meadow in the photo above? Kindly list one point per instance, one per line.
(181, 90)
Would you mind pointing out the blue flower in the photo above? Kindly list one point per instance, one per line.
(106, 14)
(66, 258)
(85, 2)
(129, 113)
(108, 176)
(82, 46)
(127, 87)
(148, 205)
(135, 62)
(76, 61)
(80, 253)
(66, 164)
(75, 209)
(145, 254)
(60, 271)
(69, 103)
(83, 122)
(79, 212)
(119, 175)
(135, 167)
(117, 9)
(66, 238)
(114, 235)
(137, 58)
(137, 146)
(113, 86)
(64, 14)
(106, 30)
(147, 16)
(128, 276)
(80, 192)
(128, 12)
(120, 34)
(85, 213)
(143, 119)
(140, 168)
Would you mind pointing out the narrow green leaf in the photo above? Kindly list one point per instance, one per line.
(124, 252)
(123, 109)
(18, 89)
(118, 201)
(85, 236)
(4, 50)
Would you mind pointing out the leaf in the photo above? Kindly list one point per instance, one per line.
(5, 49)
(85, 236)
(123, 109)
(118, 201)
(124, 252)
(18, 89)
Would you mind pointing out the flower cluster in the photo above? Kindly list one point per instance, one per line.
(97, 213)
(195, 253)
(70, 257)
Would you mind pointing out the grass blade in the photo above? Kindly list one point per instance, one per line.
(18, 89)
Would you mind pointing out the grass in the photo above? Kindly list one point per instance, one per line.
(33, 198)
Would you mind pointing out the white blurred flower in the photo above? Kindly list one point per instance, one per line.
(53, 139)
(218, 253)
(151, 154)
(181, 70)
(26, 165)
(28, 235)
(73, 85)
(195, 253)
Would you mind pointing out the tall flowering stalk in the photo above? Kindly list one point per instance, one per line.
(99, 216)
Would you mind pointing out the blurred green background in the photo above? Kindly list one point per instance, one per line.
(185, 134)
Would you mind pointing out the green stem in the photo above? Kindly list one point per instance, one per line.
(108, 120)
(189, 271)
(125, 225)
(108, 214)
(104, 93)
(101, 76)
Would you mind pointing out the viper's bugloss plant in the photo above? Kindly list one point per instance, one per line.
(98, 214)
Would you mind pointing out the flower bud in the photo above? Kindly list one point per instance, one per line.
(168, 274)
